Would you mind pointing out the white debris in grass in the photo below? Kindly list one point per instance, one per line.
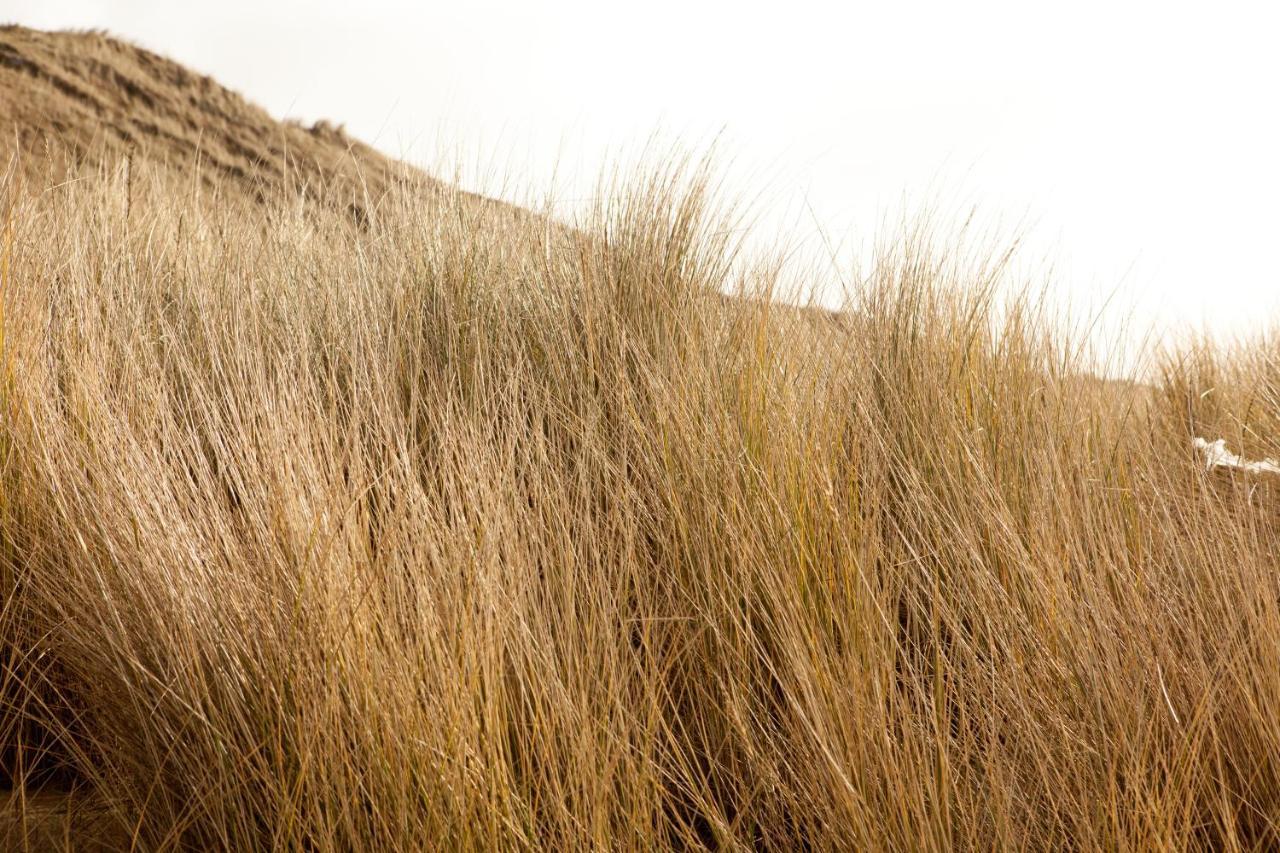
(1216, 455)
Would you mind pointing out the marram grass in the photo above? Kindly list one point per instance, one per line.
(460, 530)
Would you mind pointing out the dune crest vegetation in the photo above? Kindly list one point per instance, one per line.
(447, 529)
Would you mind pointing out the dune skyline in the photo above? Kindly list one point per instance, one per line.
(1129, 145)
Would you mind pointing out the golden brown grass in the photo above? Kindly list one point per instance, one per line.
(460, 531)
(71, 101)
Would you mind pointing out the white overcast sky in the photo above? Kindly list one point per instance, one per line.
(1138, 140)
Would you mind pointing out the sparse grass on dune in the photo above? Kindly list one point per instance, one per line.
(457, 531)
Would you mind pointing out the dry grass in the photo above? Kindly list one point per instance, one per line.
(456, 531)
(421, 524)
(76, 100)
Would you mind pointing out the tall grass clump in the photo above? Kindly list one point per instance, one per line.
(460, 529)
